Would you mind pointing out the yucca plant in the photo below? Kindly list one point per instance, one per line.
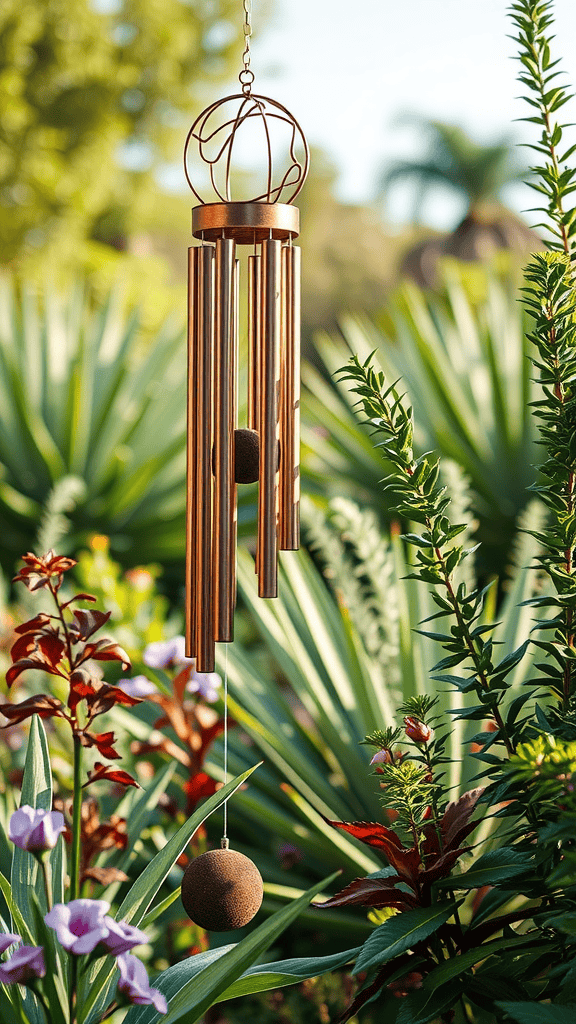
(83, 395)
(464, 363)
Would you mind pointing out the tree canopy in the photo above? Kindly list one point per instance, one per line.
(94, 98)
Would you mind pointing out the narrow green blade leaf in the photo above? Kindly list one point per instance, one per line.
(26, 877)
(197, 995)
(539, 1013)
(400, 933)
(490, 869)
(95, 993)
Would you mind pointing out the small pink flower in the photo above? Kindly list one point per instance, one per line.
(24, 965)
(34, 829)
(8, 940)
(122, 936)
(80, 925)
(135, 985)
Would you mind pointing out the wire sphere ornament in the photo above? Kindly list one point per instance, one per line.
(216, 131)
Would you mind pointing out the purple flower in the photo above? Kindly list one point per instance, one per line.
(205, 685)
(34, 829)
(166, 653)
(8, 940)
(24, 965)
(80, 925)
(135, 985)
(122, 936)
(138, 686)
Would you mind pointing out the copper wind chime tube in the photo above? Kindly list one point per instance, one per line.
(220, 456)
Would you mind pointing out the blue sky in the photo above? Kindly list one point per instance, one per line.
(349, 68)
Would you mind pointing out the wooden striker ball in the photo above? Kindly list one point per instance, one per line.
(222, 890)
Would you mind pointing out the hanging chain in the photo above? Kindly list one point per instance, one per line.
(246, 76)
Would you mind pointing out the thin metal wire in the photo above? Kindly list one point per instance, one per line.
(225, 835)
(206, 129)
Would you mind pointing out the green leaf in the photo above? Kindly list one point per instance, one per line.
(540, 1013)
(259, 978)
(400, 933)
(490, 869)
(94, 996)
(26, 876)
(191, 1001)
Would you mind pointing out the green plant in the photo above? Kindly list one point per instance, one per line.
(463, 358)
(82, 395)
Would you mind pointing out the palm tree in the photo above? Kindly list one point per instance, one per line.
(477, 173)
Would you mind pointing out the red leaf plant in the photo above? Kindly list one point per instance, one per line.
(97, 836)
(195, 726)
(61, 645)
(416, 867)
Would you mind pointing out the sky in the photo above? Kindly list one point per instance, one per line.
(349, 69)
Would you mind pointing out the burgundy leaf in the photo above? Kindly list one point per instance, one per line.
(442, 867)
(454, 825)
(104, 771)
(370, 832)
(35, 624)
(80, 597)
(405, 861)
(89, 621)
(47, 647)
(102, 740)
(105, 650)
(21, 666)
(81, 686)
(370, 892)
(42, 705)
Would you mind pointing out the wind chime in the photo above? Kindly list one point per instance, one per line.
(221, 456)
(222, 889)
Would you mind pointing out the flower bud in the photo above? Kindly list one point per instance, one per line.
(34, 829)
(381, 757)
(26, 964)
(417, 730)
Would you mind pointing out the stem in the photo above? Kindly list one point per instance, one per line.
(483, 678)
(72, 1002)
(76, 822)
(47, 872)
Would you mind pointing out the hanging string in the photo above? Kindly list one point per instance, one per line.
(224, 841)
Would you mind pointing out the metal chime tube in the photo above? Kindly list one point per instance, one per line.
(269, 394)
(289, 513)
(224, 541)
(191, 446)
(203, 399)
(254, 317)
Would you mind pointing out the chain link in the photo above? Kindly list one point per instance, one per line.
(246, 76)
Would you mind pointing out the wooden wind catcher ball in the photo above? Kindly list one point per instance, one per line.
(220, 454)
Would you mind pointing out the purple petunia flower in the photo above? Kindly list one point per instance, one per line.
(80, 925)
(138, 686)
(166, 653)
(205, 685)
(8, 940)
(24, 965)
(34, 829)
(135, 985)
(122, 936)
